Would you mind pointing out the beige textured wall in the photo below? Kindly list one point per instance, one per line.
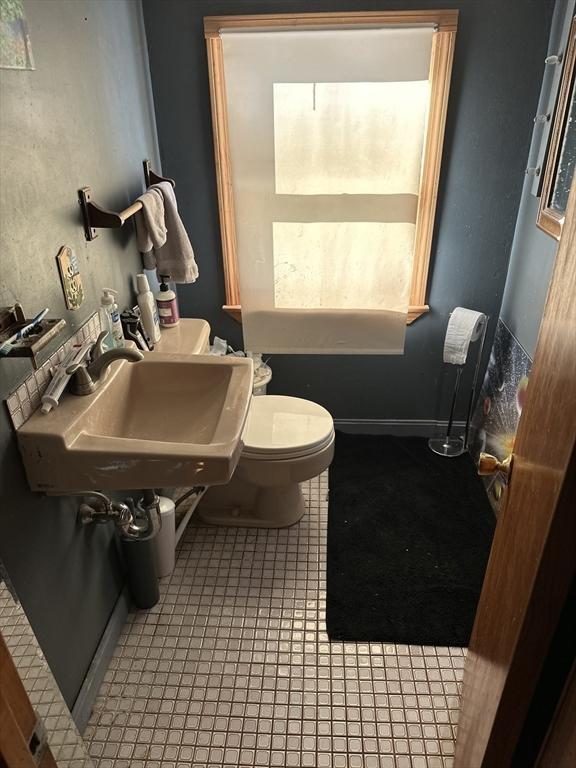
(84, 116)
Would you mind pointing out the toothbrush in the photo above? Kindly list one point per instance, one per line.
(60, 379)
(21, 333)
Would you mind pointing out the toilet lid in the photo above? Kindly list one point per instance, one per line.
(280, 426)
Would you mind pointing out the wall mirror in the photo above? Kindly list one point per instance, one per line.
(561, 160)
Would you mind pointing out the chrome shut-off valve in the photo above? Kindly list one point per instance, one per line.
(100, 509)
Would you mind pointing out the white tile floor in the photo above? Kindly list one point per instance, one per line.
(233, 668)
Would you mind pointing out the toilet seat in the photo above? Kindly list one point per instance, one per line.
(279, 427)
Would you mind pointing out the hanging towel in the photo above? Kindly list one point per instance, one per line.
(175, 257)
(150, 226)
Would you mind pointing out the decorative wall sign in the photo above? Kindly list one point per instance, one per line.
(70, 276)
(15, 47)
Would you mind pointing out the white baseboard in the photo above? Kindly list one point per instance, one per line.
(397, 427)
(82, 708)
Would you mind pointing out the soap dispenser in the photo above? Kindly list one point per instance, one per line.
(167, 302)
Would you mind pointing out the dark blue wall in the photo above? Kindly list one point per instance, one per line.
(497, 74)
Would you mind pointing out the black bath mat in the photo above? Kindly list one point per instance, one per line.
(409, 535)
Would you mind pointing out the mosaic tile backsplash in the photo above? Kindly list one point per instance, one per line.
(25, 399)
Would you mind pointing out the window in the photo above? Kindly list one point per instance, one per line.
(329, 153)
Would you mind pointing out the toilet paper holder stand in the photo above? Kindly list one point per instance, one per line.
(456, 446)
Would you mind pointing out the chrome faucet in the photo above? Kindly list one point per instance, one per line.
(88, 373)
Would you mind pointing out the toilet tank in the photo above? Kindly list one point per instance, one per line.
(190, 337)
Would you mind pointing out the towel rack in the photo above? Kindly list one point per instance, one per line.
(95, 217)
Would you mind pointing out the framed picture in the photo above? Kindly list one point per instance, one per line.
(15, 48)
(561, 160)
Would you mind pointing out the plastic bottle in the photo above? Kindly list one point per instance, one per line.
(168, 313)
(110, 319)
(106, 325)
(165, 540)
(262, 373)
(148, 311)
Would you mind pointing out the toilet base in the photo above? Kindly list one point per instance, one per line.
(264, 493)
(244, 505)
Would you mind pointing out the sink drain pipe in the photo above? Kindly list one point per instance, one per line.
(137, 540)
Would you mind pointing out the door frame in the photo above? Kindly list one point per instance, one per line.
(20, 743)
(532, 564)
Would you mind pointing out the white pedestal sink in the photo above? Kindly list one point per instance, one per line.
(169, 420)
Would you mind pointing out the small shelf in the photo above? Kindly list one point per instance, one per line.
(12, 320)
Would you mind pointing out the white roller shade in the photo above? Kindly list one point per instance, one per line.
(326, 134)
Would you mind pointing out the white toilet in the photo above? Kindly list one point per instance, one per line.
(287, 440)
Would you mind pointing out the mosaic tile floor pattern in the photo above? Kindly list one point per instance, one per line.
(233, 668)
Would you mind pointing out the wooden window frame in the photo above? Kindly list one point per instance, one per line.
(445, 21)
(549, 219)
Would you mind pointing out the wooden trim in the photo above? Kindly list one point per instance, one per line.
(549, 220)
(223, 168)
(440, 73)
(559, 747)
(14, 752)
(235, 311)
(414, 313)
(17, 718)
(446, 20)
(14, 692)
(47, 760)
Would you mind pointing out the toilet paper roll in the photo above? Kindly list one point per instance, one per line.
(464, 327)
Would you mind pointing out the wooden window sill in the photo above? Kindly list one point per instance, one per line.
(414, 312)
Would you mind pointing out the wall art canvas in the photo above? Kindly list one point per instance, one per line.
(499, 405)
(15, 47)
